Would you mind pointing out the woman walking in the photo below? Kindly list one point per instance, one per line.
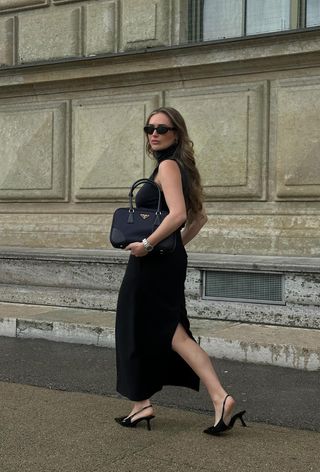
(154, 344)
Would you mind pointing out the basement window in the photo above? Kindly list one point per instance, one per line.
(249, 287)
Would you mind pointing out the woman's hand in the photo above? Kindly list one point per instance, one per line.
(137, 249)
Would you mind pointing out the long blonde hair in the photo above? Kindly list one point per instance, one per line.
(184, 155)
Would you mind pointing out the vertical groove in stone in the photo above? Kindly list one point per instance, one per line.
(6, 41)
(68, 161)
(83, 30)
(77, 24)
(15, 39)
(117, 26)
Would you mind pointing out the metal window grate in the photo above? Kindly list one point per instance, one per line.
(244, 286)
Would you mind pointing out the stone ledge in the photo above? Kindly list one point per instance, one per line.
(261, 344)
(250, 54)
(90, 279)
(16, 5)
(195, 260)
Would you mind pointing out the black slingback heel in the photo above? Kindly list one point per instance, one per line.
(127, 423)
(220, 427)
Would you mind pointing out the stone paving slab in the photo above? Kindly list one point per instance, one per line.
(264, 344)
(54, 431)
(297, 348)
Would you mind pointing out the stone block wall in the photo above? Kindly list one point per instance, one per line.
(40, 30)
(78, 79)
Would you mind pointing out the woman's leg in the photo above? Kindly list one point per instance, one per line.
(201, 364)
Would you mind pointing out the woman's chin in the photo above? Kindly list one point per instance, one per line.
(159, 147)
(156, 147)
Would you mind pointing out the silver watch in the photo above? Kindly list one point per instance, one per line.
(148, 247)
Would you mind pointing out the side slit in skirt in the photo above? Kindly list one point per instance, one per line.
(151, 304)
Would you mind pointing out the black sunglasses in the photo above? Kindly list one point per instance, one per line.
(161, 129)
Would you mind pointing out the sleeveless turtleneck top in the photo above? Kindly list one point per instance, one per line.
(147, 196)
(167, 153)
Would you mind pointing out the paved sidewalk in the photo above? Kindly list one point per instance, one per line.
(46, 430)
(297, 348)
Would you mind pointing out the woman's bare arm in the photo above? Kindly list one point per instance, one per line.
(193, 228)
(169, 179)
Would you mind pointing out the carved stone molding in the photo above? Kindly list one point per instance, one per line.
(100, 27)
(227, 125)
(58, 2)
(13, 5)
(145, 26)
(295, 138)
(109, 143)
(50, 34)
(33, 150)
(6, 41)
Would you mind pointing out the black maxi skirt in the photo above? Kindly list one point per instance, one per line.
(151, 304)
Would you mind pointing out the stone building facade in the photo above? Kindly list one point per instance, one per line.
(77, 80)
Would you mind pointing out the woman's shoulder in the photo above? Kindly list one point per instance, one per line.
(169, 164)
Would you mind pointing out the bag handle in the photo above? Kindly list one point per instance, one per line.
(144, 181)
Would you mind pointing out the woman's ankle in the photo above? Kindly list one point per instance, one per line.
(140, 405)
(219, 399)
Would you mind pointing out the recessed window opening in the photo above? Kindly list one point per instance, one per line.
(210, 20)
(252, 287)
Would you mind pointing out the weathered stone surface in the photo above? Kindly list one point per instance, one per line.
(88, 283)
(295, 138)
(57, 2)
(8, 327)
(9, 5)
(227, 126)
(54, 230)
(33, 151)
(95, 299)
(223, 234)
(110, 131)
(260, 234)
(261, 344)
(49, 35)
(180, 21)
(93, 276)
(291, 315)
(61, 332)
(6, 41)
(145, 26)
(262, 197)
(303, 289)
(101, 32)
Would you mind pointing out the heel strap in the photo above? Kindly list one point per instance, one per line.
(139, 411)
(223, 405)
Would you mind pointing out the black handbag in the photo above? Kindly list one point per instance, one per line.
(133, 224)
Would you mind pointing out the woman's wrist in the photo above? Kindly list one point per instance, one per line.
(146, 244)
